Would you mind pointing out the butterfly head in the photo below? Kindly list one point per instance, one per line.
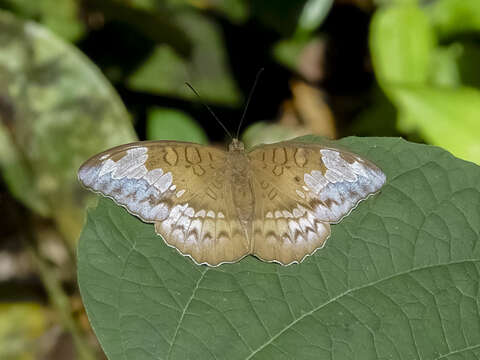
(236, 145)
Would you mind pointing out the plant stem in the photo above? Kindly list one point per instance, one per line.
(60, 301)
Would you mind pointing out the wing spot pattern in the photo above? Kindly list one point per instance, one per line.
(211, 193)
(198, 170)
(192, 155)
(272, 194)
(264, 184)
(171, 156)
(300, 157)
(278, 170)
(338, 169)
(279, 156)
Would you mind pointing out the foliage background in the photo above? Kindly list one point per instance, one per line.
(91, 74)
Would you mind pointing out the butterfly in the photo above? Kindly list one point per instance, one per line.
(275, 202)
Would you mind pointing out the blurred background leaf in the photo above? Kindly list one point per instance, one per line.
(170, 124)
(425, 80)
(153, 20)
(59, 16)
(453, 17)
(266, 133)
(165, 72)
(235, 10)
(21, 329)
(446, 117)
(313, 14)
(57, 109)
(401, 42)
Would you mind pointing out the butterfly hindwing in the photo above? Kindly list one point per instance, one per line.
(284, 231)
(181, 187)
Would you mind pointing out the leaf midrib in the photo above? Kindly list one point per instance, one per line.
(458, 351)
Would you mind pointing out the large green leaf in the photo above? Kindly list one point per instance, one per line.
(56, 110)
(398, 279)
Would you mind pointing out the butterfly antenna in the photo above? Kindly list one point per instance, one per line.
(210, 110)
(248, 101)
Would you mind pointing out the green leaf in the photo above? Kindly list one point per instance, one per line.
(379, 118)
(57, 110)
(445, 65)
(170, 124)
(263, 132)
(398, 279)
(313, 14)
(287, 51)
(401, 43)
(61, 17)
(446, 117)
(453, 17)
(21, 328)
(280, 15)
(165, 72)
(154, 21)
(235, 10)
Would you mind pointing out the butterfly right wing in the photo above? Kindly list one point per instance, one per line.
(180, 187)
(299, 189)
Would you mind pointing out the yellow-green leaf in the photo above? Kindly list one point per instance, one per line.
(445, 117)
(401, 43)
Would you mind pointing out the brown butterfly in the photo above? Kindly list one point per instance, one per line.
(275, 202)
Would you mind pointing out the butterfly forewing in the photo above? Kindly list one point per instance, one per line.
(300, 189)
(181, 187)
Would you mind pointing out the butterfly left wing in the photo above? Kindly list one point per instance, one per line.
(181, 187)
(299, 189)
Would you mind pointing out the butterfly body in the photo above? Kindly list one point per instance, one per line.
(275, 201)
(238, 170)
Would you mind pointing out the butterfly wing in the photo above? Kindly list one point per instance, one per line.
(301, 188)
(181, 188)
